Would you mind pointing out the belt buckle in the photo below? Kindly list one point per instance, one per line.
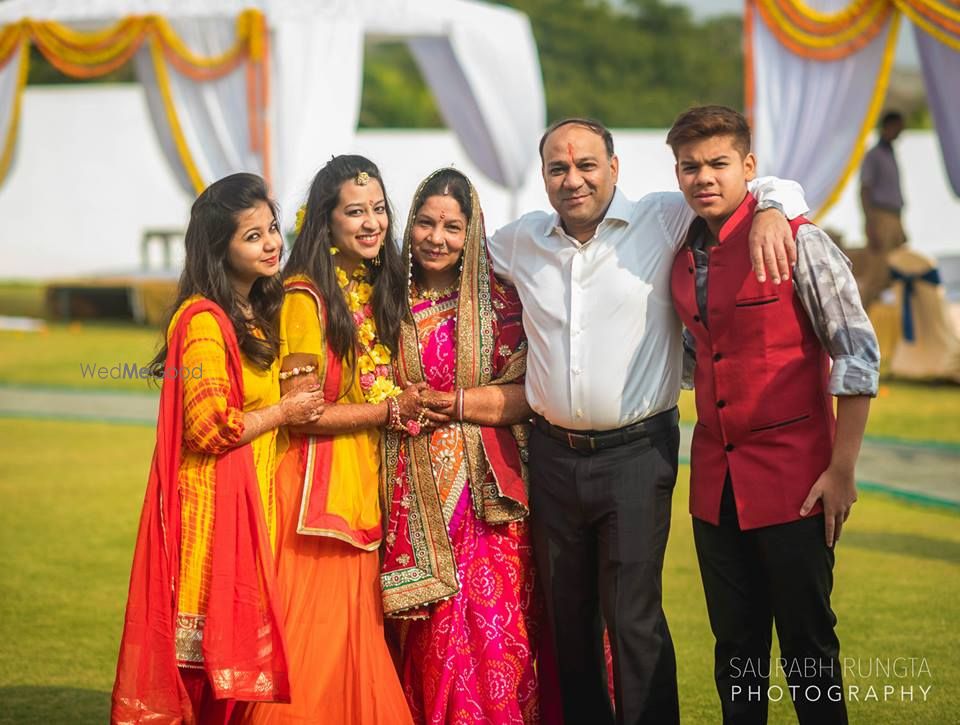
(574, 439)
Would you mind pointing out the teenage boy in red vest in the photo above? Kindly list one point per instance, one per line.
(772, 470)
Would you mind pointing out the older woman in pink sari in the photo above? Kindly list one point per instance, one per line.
(458, 569)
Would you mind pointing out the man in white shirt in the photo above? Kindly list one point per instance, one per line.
(603, 377)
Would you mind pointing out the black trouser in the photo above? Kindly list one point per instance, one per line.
(781, 574)
(599, 524)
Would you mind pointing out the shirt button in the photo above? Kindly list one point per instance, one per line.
(729, 447)
(577, 371)
(579, 413)
(717, 357)
(721, 403)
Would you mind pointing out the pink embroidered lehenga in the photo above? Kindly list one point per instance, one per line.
(458, 568)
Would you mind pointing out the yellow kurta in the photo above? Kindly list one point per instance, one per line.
(356, 456)
(211, 427)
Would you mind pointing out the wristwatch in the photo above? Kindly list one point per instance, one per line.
(770, 204)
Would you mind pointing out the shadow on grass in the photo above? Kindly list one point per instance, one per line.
(925, 547)
(29, 705)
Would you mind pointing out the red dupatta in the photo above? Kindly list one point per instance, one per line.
(242, 639)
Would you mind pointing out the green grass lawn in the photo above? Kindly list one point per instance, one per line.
(71, 496)
(56, 356)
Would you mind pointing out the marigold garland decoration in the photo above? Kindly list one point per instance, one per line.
(301, 215)
(376, 374)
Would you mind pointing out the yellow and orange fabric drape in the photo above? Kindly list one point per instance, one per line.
(822, 36)
(88, 54)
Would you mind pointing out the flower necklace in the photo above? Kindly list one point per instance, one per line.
(376, 374)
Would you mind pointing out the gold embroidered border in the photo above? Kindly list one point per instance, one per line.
(189, 639)
(435, 309)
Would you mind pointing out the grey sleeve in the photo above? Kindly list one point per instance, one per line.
(689, 360)
(828, 291)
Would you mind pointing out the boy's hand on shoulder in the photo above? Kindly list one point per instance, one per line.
(772, 247)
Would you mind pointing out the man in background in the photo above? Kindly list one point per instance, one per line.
(882, 203)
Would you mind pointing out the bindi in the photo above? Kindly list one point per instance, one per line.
(570, 154)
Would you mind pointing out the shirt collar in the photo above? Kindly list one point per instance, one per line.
(620, 209)
(696, 234)
(697, 231)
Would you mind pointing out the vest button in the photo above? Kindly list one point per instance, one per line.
(696, 318)
(717, 357)
(729, 447)
(721, 403)
(690, 270)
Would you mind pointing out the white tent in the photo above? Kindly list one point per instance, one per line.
(817, 73)
(273, 86)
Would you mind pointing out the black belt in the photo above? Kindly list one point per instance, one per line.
(591, 441)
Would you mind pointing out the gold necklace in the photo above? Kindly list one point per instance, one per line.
(245, 308)
(435, 295)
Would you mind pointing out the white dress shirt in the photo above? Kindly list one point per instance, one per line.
(604, 341)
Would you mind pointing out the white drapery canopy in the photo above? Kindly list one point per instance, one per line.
(817, 74)
(293, 100)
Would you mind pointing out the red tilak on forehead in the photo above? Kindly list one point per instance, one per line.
(446, 192)
(570, 154)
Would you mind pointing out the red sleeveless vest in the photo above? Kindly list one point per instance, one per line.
(763, 407)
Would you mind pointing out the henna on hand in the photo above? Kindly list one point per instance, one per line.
(302, 406)
(440, 401)
(410, 402)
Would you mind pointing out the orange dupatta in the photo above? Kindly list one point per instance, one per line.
(242, 639)
(315, 457)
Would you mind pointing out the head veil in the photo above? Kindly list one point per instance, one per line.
(475, 313)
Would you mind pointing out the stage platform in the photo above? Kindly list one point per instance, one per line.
(141, 297)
